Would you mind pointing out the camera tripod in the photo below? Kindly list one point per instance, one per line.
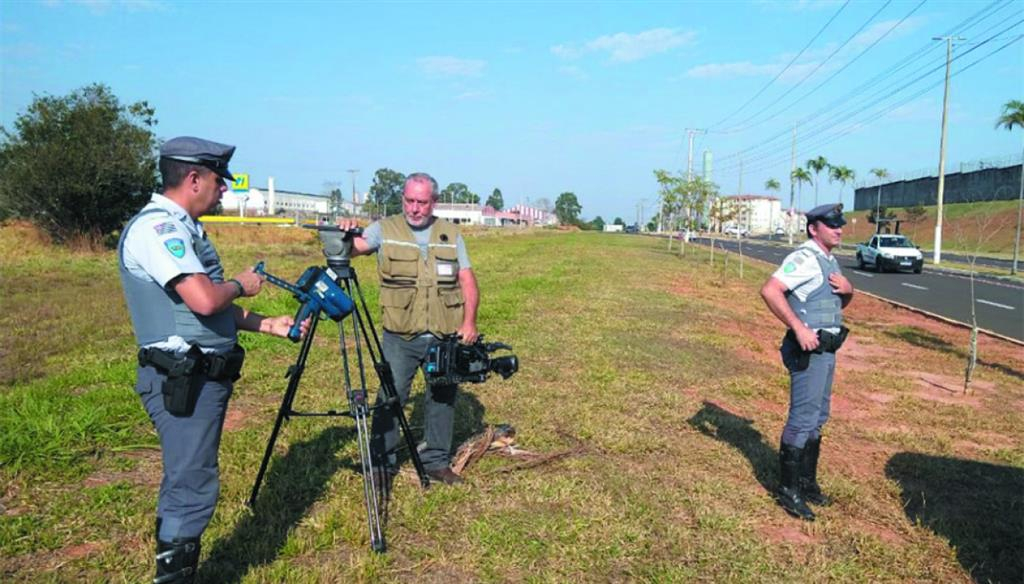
(376, 482)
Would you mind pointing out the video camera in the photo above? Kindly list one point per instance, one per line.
(450, 362)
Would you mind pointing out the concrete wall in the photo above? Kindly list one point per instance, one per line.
(990, 184)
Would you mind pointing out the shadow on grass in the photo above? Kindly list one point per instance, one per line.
(977, 506)
(926, 340)
(721, 424)
(469, 419)
(291, 486)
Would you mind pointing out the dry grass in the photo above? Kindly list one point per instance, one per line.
(657, 375)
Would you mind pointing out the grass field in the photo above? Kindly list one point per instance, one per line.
(657, 374)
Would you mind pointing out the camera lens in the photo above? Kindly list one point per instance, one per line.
(505, 366)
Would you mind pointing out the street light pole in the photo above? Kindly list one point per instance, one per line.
(937, 252)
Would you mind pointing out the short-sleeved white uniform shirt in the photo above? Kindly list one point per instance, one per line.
(159, 247)
(800, 272)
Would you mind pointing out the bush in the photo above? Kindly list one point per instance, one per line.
(79, 164)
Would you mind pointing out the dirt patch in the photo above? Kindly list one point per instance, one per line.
(880, 398)
(786, 534)
(948, 389)
(881, 532)
(860, 355)
(81, 550)
(147, 472)
(235, 419)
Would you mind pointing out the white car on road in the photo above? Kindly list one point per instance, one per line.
(889, 252)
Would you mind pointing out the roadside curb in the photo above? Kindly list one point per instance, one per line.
(930, 314)
(942, 318)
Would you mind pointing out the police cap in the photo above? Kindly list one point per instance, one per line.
(202, 152)
(830, 214)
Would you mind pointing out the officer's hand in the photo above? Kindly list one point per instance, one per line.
(251, 282)
(346, 224)
(807, 338)
(279, 326)
(840, 285)
(468, 334)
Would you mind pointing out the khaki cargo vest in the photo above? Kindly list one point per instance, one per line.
(417, 295)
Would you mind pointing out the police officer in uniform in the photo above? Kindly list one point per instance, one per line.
(428, 290)
(185, 321)
(808, 293)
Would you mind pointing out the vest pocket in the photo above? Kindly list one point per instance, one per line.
(452, 298)
(397, 309)
(401, 261)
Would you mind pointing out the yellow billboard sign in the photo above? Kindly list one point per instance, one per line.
(241, 182)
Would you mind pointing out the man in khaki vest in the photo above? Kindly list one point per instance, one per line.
(427, 290)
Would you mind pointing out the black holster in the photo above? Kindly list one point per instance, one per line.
(828, 342)
(184, 376)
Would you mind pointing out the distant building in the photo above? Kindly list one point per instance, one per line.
(758, 214)
(532, 216)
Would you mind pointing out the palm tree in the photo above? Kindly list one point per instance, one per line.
(841, 175)
(1013, 117)
(772, 185)
(881, 174)
(817, 165)
(800, 176)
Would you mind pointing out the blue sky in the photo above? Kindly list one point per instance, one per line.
(535, 98)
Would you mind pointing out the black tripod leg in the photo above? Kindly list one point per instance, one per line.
(387, 385)
(357, 408)
(294, 376)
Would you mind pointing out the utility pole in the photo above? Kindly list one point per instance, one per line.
(792, 168)
(355, 202)
(690, 133)
(937, 252)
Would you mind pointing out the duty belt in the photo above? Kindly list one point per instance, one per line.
(217, 367)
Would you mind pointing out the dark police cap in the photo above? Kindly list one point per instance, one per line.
(202, 152)
(830, 214)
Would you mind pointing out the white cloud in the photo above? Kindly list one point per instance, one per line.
(451, 66)
(810, 59)
(102, 6)
(472, 94)
(740, 69)
(625, 47)
(798, 5)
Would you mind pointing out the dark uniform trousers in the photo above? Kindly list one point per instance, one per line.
(405, 357)
(191, 481)
(810, 394)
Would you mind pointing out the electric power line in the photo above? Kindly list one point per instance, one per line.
(786, 68)
(831, 119)
(874, 81)
(823, 140)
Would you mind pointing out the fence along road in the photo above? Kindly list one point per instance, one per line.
(1000, 305)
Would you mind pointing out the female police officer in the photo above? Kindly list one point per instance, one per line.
(185, 323)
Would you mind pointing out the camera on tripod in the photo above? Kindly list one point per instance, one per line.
(450, 362)
(336, 242)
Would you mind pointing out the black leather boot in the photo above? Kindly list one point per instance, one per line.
(788, 494)
(809, 487)
(176, 560)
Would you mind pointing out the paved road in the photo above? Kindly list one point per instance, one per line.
(1000, 306)
(949, 257)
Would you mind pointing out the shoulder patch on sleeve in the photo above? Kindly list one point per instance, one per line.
(789, 268)
(176, 247)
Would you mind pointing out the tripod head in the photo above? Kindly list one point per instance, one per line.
(337, 243)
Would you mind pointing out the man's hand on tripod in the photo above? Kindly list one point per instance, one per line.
(278, 326)
(359, 245)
